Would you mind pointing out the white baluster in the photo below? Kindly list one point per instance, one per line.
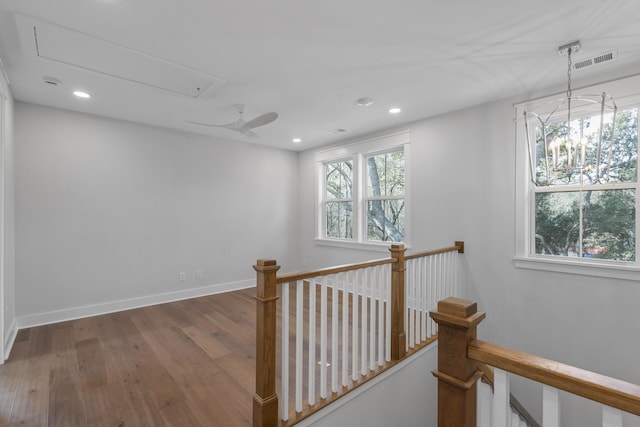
(345, 329)
(387, 316)
(285, 353)
(380, 298)
(323, 337)
(611, 417)
(431, 300)
(372, 317)
(501, 409)
(363, 322)
(484, 396)
(354, 327)
(550, 407)
(422, 275)
(312, 342)
(334, 334)
(299, 342)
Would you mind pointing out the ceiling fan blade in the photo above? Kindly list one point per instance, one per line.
(233, 125)
(250, 134)
(260, 121)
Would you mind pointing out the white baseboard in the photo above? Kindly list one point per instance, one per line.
(10, 339)
(57, 316)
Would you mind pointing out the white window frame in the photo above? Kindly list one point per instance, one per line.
(626, 95)
(357, 152)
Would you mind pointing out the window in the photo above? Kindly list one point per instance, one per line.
(362, 193)
(578, 202)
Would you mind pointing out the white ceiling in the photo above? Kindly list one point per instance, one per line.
(306, 60)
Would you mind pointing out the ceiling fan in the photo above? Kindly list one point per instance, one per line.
(240, 125)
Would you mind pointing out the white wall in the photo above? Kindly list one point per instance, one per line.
(405, 396)
(8, 288)
(463, 186)
(109, 212)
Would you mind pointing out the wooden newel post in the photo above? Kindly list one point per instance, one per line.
(457, 375)
(398, 310)
(265, 401)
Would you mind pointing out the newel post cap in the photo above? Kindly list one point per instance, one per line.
(266, 265)
(457, 312)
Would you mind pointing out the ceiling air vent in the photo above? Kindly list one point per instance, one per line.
(595, 60)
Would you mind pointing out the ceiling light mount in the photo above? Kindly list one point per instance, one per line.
(569, 48)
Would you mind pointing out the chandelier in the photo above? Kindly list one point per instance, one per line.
(568, 137)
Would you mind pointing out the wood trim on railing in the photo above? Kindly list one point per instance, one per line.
(292, 277)
(458, 247)
(600, 388)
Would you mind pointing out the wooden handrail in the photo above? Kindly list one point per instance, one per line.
(292, 277)
(459, 247)
(600, 388)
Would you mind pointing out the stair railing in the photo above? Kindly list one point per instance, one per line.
(459, 353)
(341, 326)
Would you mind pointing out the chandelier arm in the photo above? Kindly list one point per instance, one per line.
(546, 151)
(528, 135)
(613, 140)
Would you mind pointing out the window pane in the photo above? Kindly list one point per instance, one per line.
(385, 220)
(339, 178)
(385, 174)
(557, 223)
(609, 225)
(339, 220)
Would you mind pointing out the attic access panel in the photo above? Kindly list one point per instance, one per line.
(80, 50)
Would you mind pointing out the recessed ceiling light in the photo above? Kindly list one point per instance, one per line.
(364, 102)
(297, 140)
(81, 94)
(394, 110)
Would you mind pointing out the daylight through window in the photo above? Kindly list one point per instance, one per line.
(362, 188)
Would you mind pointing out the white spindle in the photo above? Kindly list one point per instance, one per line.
(380, 298)
(611, 417)
(432, 295)
(423, 298)
(363, 322)
(334, 333)
(299, 342)
(312, 343)
(354, 327)
(285, 352)
(550, 407)
(345, 329)
(373, 289)
(387, 316)
(410, 312)
(416, 303)
(483, 398)
(323, 337)
(501, 410)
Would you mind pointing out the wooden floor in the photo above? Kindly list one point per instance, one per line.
(187, 363)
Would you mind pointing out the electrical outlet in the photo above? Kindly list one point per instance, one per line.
(199, 274)
(182, 277)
